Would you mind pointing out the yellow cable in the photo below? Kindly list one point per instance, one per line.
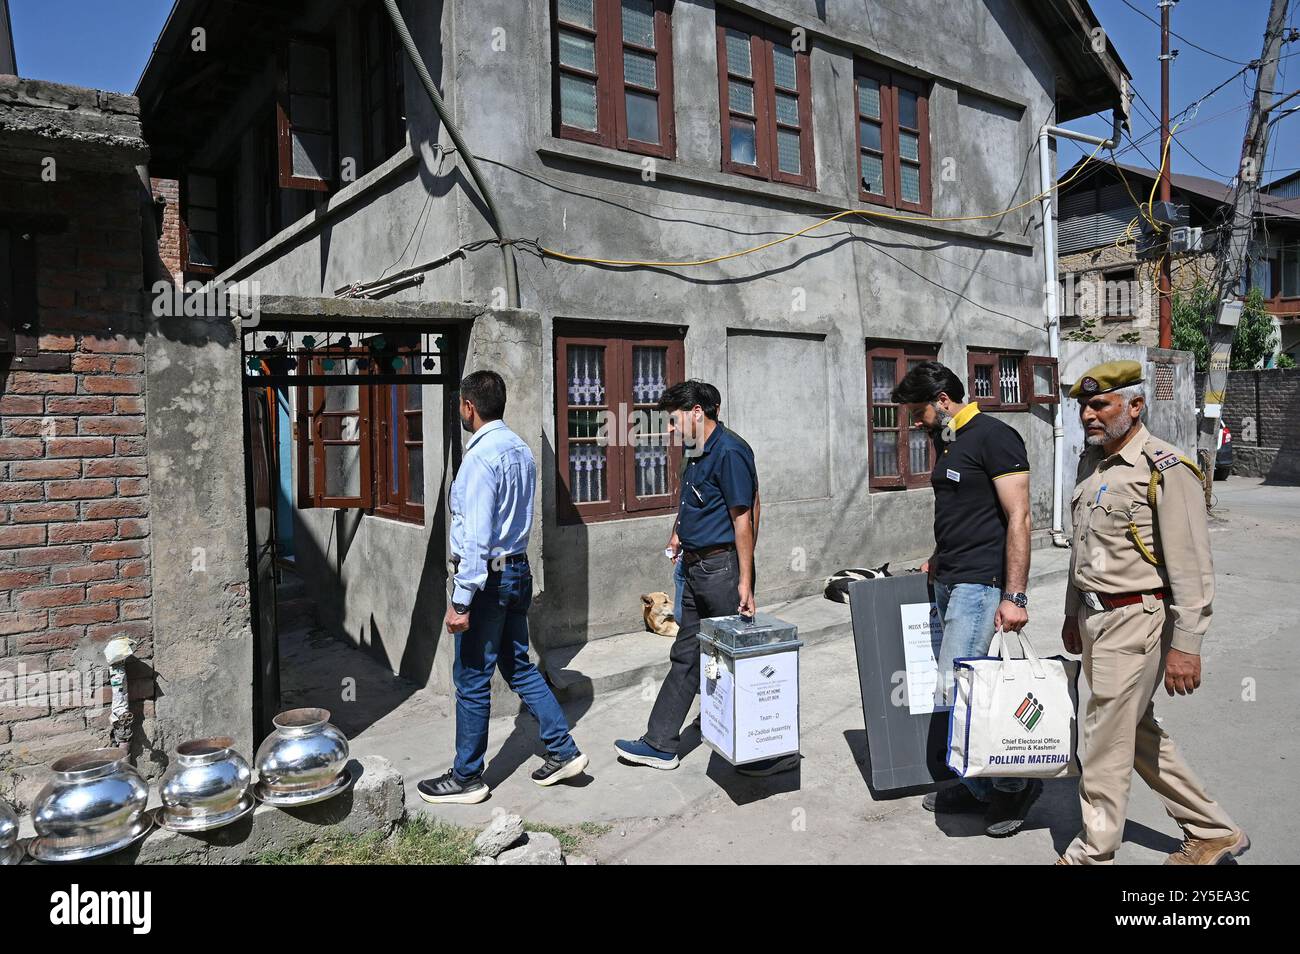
(1137, 203)
(816, 225)
(1164, 160)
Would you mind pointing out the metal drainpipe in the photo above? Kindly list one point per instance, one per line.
(497, 223)
(1050, 281)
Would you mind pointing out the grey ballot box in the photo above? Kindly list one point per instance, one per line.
(749, 687)
(906, 747)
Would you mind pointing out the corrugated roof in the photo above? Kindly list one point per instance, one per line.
(1199, 186)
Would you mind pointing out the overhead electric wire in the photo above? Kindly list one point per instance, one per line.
(1191, 43)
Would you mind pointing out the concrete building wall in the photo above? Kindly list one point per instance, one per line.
(787, 325)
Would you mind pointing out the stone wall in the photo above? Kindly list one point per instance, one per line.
(1085, 296)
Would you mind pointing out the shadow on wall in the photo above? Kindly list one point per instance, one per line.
(562, 608)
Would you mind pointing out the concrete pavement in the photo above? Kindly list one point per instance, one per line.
(1235, 731)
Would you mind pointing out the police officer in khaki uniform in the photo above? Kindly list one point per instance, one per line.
(1137, 606)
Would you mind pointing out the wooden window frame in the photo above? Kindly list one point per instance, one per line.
(762, 38)
(901, 352)
(190, 267)
(618, 343)
(891, 81)
(992, 358)
(395, 505)
(311, 445)
(1104, 300)
(19, 313)
(393, 73)
(611, 85)
(285, 125)
(1039, 361)
(375, 431)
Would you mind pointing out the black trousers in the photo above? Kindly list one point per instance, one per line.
(711, 590)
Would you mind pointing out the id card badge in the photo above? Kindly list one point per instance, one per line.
(954, 476)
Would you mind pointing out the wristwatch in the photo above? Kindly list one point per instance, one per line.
(1020, 599)
(460, 608)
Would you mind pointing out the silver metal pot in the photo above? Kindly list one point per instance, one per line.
(302, 760)
(206, 786)
(94, 805)
(10, 852)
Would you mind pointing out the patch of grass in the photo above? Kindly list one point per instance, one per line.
(571, 837)
(420, 840)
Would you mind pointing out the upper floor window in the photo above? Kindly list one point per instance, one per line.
(614, 454)
(893, 138)
(900, 455)
(305, 115)
(383, 87)
(766, 98)
(200, 224)
(613, 75)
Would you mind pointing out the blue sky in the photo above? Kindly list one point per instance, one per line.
(105, 44)
(1230, 28)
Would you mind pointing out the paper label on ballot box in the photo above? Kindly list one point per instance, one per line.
(717, 714)
(767, 706)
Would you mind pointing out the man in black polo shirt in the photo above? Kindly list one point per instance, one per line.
(980, 566)
(716, 530)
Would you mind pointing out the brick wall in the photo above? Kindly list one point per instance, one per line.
(74, 492)
(1263, 412)
(168, 192)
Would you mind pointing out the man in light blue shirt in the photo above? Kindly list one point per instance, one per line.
(491, 514)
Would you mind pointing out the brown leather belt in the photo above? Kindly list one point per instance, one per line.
(1116, 600)
(691, 557)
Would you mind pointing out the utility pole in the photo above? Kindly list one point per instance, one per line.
(1166, 273)
(1234, 248)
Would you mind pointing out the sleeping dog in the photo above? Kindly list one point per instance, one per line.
(657, 610)
(837, 584)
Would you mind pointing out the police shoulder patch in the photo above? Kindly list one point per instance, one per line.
(1165, 461)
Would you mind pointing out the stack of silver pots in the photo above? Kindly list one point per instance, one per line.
(206, 786)
(303, 761)
(94, 805)
(10, 851)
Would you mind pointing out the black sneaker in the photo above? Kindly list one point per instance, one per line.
(954, 800)
(554, 770)
(1007, 810)
(786, 763)
(447, 789)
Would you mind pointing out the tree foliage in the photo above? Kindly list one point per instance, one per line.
(1194, 313)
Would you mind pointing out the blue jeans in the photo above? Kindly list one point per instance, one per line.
(967, 610)
(497, 638)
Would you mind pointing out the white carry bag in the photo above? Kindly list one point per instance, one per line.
(1014, 717)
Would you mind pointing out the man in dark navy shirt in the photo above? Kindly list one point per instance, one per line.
(980, 566)
(716, 530)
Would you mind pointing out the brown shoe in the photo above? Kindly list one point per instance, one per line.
(1210, 851)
